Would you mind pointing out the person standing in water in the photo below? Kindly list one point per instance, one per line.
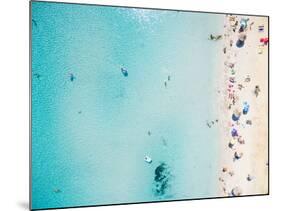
(71, 77)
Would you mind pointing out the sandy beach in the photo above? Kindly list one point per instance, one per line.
(243, 78)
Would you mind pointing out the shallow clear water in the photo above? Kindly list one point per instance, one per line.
(90, 134)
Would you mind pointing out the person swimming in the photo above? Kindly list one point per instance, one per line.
(215, 37)
(72, 77)
(124, 71)
(35, 22)
(37, 75)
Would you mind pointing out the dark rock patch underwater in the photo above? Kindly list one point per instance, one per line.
(162, 179)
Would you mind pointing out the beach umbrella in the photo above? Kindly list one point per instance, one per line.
(261, 28)
(250, 177)
(241, 40)
(234, 132)
(231, 143)
(244, 23)
(238, 155)
(236, 115)
(264, 40)
(240, 43)
(235, 118)
(246, 107)
(236, 191)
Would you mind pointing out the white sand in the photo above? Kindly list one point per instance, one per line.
(247, 61)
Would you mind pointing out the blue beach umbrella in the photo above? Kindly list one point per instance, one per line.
(235, 117)
(246, 107)
(240, 43)
(241, 40)
(234, 132)
(244, 23)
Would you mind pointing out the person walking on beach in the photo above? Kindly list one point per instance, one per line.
(257, 90)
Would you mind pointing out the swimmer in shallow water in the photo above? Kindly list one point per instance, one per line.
(124, 71)
(215, 37)
(37, 75)
(72, 77)
(35, 22)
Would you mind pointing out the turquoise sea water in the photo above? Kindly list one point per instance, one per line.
(92, 126)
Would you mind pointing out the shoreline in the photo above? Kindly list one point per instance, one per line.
(248, 173)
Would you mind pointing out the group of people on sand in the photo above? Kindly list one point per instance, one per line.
(236, 27)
